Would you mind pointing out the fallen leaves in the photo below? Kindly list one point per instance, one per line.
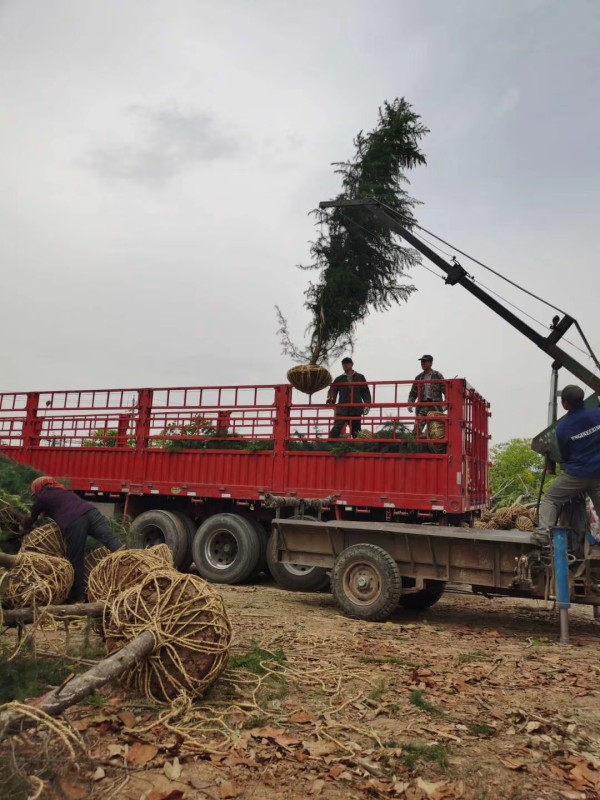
(139, 754)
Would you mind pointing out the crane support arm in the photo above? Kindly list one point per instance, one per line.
(457, 274)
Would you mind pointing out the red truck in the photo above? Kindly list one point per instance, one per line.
(207, 469)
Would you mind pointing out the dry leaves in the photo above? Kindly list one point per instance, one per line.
(139, 754)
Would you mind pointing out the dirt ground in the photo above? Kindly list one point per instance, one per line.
(474, 698)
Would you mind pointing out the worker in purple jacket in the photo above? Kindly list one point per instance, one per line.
(578, 437)
(76, 518)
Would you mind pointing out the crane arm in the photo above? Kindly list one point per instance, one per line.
(457, 274)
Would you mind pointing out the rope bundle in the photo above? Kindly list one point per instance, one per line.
(309, 378)
(525, 523)
(508, 517)
(435, 430)
(37, 579)
(190, 626)
(125, 568)
(94, 557)
(47, 539)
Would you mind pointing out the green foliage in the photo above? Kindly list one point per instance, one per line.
(417, 698)
(516, 472)
(360, 263)
(27, 677)
(481, 729)
(415, 754)
(15, 479)
(106, 437)
(255, 659)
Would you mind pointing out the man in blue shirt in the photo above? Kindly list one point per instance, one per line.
(578, 437)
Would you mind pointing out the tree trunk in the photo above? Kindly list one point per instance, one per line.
(7, 560)
(24, 616)
(74, 690)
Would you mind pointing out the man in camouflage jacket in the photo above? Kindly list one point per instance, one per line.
(427, 392)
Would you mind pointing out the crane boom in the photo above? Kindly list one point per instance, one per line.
(458, 274)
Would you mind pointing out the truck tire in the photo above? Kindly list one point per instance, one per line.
(162, 527)
(425, 598)
(191, 528)
(295, 577)
(263, 539)
(366, 582)
(226, 549)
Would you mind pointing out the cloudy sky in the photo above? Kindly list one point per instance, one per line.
(158, 160)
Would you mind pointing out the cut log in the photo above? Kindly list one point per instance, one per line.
(25, 616)
(6, 560)
(76, 689)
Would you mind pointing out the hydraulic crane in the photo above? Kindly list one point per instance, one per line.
(545, 441)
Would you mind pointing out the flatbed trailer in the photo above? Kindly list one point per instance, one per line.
(376, 566)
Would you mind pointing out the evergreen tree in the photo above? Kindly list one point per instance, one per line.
(361, 265)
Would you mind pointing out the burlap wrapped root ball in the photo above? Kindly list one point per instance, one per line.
(435, 429)
(525, 523)
(46, 539)
(37, 580)
(503, 517)
(309, 378)
(191, 628)
(123, 569)
(93, 558)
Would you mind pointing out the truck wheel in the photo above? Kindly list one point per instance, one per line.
(263, 539)
(425, 598)
(295, 577)
(366, 582)
(162, 527)
(226, 549)
(190, 528)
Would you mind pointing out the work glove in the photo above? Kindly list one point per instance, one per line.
(410, 409)
(366, 411)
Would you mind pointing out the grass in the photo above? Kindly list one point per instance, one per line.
(418, 699)
(27, 677)
(481, 729)
(95, 700)
(476, 655)
(401, 662)
(255, 659)
(415, 754)
(255, 722)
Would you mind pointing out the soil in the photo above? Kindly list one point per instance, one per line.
(474, 698)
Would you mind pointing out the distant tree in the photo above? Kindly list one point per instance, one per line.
(516, 471)
(106, 437)
(361, 265)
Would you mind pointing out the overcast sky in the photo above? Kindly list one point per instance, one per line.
(158, 160)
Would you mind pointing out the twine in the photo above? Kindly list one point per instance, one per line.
(37, 579)
(46, 539)
(504, 518)
(123, 569)
(190, 625)
(525, 523)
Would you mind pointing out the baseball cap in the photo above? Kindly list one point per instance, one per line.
(426, 357)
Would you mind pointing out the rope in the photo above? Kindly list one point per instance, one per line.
(45, 539)
(37, 579)
(191, 628)
(125, 568)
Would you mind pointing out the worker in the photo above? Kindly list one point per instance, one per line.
(76, 518)
(339, 390)
(578, 435)
(427, 392)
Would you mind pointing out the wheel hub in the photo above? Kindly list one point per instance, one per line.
(362, 583)
(221, 550)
